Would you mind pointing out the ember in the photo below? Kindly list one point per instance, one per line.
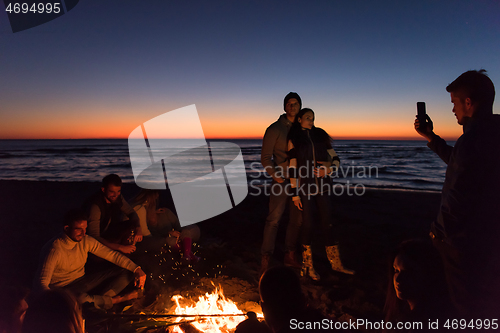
(210, 304)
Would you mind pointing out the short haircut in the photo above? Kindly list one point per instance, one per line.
(74, 215)
(280, 290)
(477, 86)
(112, 179)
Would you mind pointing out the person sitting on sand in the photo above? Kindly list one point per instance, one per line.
(54, 310)
(161, 227)
(312, 158)
(63, 262)
(252, 325)
(12, 308)
(417, 290)
(111, 220)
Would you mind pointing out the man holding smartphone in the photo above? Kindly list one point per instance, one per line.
(467, 229)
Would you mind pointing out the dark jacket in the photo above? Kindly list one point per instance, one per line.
(310, 147)
(469, 216)
(467, 229)
(102, 215)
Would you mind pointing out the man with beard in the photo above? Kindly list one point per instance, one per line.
(63, 262)
(107, 210)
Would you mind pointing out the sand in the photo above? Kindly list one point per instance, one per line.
(369, 228)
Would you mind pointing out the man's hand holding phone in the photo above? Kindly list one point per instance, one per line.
(423, 123)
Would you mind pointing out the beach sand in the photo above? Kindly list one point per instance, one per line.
(369, 227)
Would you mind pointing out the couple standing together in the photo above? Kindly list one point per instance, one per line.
(299, 157)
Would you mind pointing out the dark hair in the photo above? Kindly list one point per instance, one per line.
(427, 258)
(290, 96)
(281, 293)
(11, 300)
(55, 310)
(295, 132)
(74, 215)
(477, 86)
(111, 179)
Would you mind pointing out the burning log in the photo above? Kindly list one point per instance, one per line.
(212, 312)
(172, 315)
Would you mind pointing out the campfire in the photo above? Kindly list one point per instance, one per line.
(213, 312)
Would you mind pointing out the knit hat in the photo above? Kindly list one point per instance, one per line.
(290, 96)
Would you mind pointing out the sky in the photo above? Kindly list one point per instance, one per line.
(106, 67)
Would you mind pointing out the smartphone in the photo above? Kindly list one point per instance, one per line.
(421, 114)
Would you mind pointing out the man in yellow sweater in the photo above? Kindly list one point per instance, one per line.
(63, 265)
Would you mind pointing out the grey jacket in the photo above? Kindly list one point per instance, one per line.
(273, 156)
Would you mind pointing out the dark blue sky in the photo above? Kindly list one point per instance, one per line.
(361, 65)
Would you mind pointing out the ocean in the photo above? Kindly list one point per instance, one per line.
(408, 165)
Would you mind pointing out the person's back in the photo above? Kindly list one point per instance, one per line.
(13, 307)
(284, 306)
(54, 310)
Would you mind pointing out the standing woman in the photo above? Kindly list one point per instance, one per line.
(312, 159)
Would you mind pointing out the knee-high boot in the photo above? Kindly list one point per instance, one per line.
(332, 252)
(307, 264)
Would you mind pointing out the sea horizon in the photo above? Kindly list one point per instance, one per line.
(383, 164)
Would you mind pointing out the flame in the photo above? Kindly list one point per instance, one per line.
(214, 303)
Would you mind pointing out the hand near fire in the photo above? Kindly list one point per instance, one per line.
(139, 278)
(126, 249)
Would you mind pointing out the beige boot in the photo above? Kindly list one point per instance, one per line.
(307, 264)
(332, 252)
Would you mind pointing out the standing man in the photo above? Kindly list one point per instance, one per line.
(467, 229)
(275, 161)
(111, 218)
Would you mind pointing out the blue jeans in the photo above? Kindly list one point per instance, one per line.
(279, 196)
(322, 202)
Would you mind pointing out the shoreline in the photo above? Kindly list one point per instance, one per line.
(367, 187)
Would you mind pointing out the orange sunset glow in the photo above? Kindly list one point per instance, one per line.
(74, 127)
(220, 119)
